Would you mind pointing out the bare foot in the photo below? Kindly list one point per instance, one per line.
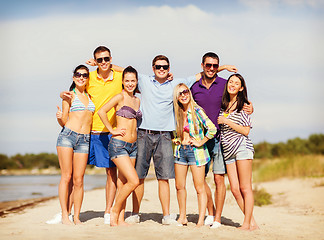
(113, 218)
(123, 223)
(66, 221)
(254, 227)
(244, 227)
(77, 221)
(183, 221)
(200, 224)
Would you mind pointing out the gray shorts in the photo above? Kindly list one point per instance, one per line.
(156, 144)
(242, 153)
(216, 155)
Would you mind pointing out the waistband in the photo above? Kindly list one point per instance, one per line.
(147, 131)
(73, 132)
(99, 133)
(127, 144)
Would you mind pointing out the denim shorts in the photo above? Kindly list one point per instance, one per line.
(98, 154)
(242, 153)
(216, 156)
(119, 148)
(79, 142)
(187, 156)
(159, 146)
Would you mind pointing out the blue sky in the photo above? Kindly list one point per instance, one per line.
(276, 45)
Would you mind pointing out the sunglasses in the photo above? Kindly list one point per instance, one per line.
(184, 92)
(209, 65)
(165, 67)
(100, 60)
(84, 75)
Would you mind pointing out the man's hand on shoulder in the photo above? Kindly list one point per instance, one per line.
(230, 68)
(66, 95)
(91, 62)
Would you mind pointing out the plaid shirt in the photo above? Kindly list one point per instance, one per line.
(202, 122)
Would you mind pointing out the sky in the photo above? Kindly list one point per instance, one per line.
(277, 46)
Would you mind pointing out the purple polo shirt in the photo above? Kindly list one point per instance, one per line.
(210, 99)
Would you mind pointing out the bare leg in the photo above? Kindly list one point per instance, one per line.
(220, 194)
(198, 175)
(126, 168)
(110, 187)
(233, 177)
(70, 199)
(180, 182)
(65, 156)
(138, 196)
(121, 180)
(164, 196)
(210, 204)
(79, 166)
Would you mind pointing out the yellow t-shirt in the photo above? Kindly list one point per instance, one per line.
(101, 92)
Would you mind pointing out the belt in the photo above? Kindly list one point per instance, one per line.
(100, 133)
(153, 131)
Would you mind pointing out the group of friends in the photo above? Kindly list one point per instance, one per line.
(197, 122)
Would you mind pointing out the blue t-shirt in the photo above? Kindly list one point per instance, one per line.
(157, 102)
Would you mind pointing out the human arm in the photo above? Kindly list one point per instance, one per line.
(113, 102)
(208, 125)
(248, 108)
(66, 95)
(245, 130)
(230, 68)
(62, 116)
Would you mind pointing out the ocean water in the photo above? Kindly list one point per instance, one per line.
(36, 186)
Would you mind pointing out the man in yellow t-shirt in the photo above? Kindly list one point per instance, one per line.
(104, 83)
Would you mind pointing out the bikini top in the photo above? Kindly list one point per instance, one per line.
(186, 128)
(77, 105)
(128, 112)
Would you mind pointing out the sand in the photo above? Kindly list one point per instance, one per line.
(297, 212)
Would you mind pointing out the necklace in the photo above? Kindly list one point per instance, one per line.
(228, 109)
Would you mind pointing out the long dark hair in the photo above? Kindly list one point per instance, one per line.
(75, 70)
(242, 97)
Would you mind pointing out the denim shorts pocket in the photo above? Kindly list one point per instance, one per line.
(117, 145)
(66, 132)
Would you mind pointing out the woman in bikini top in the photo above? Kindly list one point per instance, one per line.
(122, 146)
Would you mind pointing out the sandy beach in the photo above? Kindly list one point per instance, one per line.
(297, 212)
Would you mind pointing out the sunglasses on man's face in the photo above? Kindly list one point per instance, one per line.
(209, 65)
(84, 75)
(165, 67)
(100, 60)
(184, 92)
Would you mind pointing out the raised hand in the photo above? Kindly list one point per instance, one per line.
(59, 113)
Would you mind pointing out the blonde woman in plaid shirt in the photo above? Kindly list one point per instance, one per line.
(190, 149)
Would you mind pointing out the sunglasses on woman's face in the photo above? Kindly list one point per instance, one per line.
(184, 92)
(84, 75)
(100, 60)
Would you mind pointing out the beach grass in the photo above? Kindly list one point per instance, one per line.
(291, 167)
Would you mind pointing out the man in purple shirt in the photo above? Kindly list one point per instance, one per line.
(208, 92)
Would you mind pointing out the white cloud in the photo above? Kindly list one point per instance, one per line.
(278, 55)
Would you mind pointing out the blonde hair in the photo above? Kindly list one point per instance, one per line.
(178, 110)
